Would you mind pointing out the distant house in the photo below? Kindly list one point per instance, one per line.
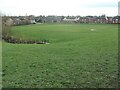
(17, 21)
(84, 20)
(71, 19)
(89, 19)
(24, 20)
(40, 19)
(116, 20)
(92, 19)
(109, 20)
(101, 20)
(32, 21)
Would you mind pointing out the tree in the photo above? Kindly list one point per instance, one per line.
(5, 27)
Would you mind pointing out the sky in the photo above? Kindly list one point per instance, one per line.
(59, 7)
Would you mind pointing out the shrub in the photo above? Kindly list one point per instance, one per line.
(5, 28)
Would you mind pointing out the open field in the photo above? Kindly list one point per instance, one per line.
(76, 56)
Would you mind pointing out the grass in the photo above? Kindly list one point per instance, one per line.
(76, 57)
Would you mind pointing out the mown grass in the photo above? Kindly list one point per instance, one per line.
(76, 57)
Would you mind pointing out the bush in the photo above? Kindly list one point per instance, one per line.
(5, 28)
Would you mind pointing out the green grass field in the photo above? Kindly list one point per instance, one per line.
(76, 57)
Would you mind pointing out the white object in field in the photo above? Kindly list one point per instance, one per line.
(92, 29)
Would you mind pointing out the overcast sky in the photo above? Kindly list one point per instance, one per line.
(59, 7)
